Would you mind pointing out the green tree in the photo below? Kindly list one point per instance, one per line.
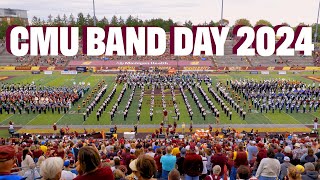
(285, 24)
(64, 20)
(57, 21)
(211, 23)
(72, 22)
(81, 21)
(3, 28)
(188, 24)
(49, 21)
(263, 22)
(35, 21)
(243, 22)
(121, 21)
(89, 20)
(114, 21)
(224, 22)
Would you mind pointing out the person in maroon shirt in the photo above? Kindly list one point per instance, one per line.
(192, 164)
(240, 157)
(219, 159)
(37, 153)
(54, 128)
(262, 153)
(157, 158)
(89, 165)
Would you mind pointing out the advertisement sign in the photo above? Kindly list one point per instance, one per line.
(47, 72)
(69, 72)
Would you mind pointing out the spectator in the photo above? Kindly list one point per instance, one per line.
(269, 167)
(297, 154)
(240, 157)
(310, 173)
(262, 153)
(118, 175)
(309, 157)
(146, 167)
(174, 175)
(51, 168)
(219, 158)
(300, 168)
(7, 162)
(204, 162)
(168, 162)
(150, 152)
(157, 158)
(40, 160)
(66, 173)
(27, 161)
(208, 153)
(134, 170)
(180, 161)
(252, 151)
(293, 173)
(88, 166)
(216, 170)
(280, 156)
(243, 172)
(284, 167)
(192, 164)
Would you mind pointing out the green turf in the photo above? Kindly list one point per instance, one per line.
(75, 118)
(4, 133)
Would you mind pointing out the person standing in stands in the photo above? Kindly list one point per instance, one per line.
(168, 162)
(269, 168)
(192, 164)
(240, 157)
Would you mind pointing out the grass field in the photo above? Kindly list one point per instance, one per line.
(73, 118)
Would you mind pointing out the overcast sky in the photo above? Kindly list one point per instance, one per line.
(276, 11)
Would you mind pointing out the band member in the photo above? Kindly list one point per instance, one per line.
(151, 115)
(115, 129)
(136, 129)
(54, 128)
(315, 123)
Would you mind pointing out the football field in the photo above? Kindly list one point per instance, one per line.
(72, 117)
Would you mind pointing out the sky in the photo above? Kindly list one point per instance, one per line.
(198, 11)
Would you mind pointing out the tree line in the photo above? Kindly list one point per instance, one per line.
(87, 20)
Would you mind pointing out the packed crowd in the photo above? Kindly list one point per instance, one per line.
(234, 156)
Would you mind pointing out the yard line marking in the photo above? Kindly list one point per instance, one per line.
(295, 119)
(60, 118)
(33, 119)
(6, 118)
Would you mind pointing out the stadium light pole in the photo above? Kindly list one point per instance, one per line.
(94, 14)
(316, 32)
(221, 21)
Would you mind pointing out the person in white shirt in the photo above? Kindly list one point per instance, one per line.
(66, 173)
(150, 152)
(269, 167)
